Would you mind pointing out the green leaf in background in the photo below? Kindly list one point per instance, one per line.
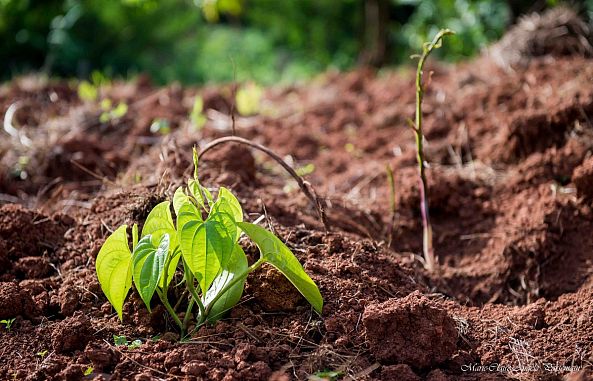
(275, 252)
(149, 262)
(248, 99)
(207, 246)
(160, 222)
(114, 268)
(236, 265)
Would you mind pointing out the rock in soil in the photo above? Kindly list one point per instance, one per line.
(411, 330)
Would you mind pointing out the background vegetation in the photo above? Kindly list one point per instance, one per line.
(198, 41)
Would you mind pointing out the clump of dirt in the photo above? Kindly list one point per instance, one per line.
(582, 178)
(15, 301)
(273, 291)
(411, 330)
(73, 333)
(29, 240)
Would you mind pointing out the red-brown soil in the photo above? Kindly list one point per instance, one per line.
(511, 184)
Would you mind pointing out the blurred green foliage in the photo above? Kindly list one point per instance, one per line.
(198, 41)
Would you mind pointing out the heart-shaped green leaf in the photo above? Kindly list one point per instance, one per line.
(233, 206)
(114, 268)
(188, 212)
(228, 203)
(149, 262)
(160, 222)
(180, 198)
(275, 252)
(236, 266)
(207, 246)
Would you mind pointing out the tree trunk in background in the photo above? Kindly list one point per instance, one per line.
(376, 21)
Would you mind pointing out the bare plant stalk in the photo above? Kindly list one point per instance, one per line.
(305, 186)
(392, 205)
(428, 250)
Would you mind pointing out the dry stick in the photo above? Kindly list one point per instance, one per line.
(430, 261)
(305, 186)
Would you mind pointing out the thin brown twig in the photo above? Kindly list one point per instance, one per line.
(304, 185)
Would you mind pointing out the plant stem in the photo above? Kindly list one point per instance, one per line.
(170, 309)
(163, 294)
(428, 250)
(190, 306)
(304, 185)
(233, 282)
(189, 282)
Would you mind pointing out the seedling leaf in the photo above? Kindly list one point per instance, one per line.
(179, 199)
(114, 268)
(228, 203)
(275, 252)
(200, 193)
(188, 212)
(120, 340)
(149, 262)
(236, 266)
(160, 222)
(206, 246)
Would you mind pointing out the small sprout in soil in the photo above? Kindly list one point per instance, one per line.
(88, 371)
(135, 344)
(110, 113)
(160, 126)
(197, 117)
(87, 92)
(248, 99)
(42, 353)
(203, 242)
(7, 323)
(306, 169)
(120, 340)
(326, 375)
(427, 48)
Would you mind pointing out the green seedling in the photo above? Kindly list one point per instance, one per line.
(7, 323)
(120, 340)
(123, 341)
(203, 243)
(87, 92)
(160, 126)
(326, 375)
(248, 99)
(110, 113)
(88, 371)
(197, 117)
(42, 353)
(427, 246)
(306, 169)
